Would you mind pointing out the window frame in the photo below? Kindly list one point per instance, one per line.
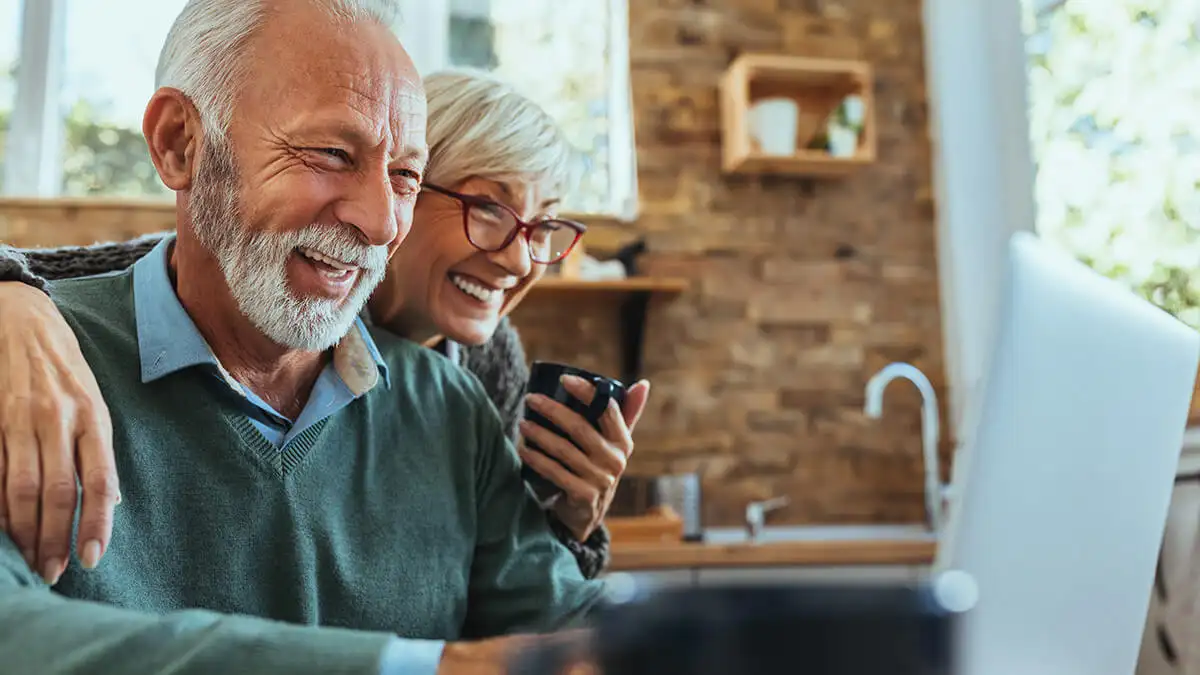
(983, 173)
(622, 165)
(36, 131)
(34, 150)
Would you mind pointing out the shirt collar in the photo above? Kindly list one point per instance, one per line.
(168, 340)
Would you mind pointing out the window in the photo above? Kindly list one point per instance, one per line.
(10, 15)
(1114, 98)
(108, 77)
(76, 109)
(581, 77)
(1103, 97)
(87, 70)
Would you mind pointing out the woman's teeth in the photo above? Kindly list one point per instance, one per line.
(339, 268)
(480, 293)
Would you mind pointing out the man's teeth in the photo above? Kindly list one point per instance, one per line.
(480, 293)
(340, 267)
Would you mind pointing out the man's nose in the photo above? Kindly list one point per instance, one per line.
(370, 207)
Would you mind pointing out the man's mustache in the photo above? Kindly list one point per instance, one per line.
(340, 243)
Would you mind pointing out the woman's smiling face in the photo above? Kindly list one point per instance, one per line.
(439, 283)
(495, 149)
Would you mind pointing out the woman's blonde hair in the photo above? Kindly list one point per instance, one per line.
(481, 127)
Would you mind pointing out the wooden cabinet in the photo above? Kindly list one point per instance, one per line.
(1172, 624)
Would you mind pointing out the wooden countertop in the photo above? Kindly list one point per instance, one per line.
(818, 553)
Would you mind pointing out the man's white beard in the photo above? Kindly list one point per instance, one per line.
(255, 263)
(256, 270)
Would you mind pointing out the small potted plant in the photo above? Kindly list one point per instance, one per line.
(845, 127)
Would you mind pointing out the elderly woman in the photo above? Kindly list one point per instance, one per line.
(484, 230)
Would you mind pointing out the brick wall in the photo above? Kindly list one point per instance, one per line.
(800, 289)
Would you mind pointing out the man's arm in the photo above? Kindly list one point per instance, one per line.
(522, 579)
(35, 267)
(45, 633)
(500, 366)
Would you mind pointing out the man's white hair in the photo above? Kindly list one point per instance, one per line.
(204, 50)
(482, 127)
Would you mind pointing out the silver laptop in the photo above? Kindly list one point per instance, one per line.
(1064, 478)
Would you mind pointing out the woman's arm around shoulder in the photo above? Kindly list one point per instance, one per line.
(47, 389)
(35, 267)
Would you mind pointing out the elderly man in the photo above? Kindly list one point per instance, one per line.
(292, 132)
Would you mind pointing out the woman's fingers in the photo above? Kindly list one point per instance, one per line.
(58, 498)
(635, 403)
(617, 423)
(556, 473)
(612, 426)
(98, 476)
(563, 450)
(574, 425)
(23, 488)
(51, 416)
(3, 487)
(580, 434)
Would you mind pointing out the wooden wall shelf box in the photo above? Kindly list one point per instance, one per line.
(818, 86)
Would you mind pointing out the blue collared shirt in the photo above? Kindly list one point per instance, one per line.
(168, 341)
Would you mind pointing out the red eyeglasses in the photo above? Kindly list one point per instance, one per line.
(491, 226)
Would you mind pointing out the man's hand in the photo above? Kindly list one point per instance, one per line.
(485, 657)
(496, 655)
(53, 423)
(594, 460)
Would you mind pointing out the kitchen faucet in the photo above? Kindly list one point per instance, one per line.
(935, 491)
(756, 515)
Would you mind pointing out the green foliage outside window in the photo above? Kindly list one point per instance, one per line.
(99, 158)
(1114, 100)
(106, 159)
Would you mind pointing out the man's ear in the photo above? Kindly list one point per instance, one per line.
(173, 131)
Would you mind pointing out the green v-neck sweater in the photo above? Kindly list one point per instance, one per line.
(403, 514)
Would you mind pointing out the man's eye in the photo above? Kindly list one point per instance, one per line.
(406, 182)
(336, 153)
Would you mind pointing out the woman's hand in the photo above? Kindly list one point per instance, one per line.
(595, 460)
(53, 423)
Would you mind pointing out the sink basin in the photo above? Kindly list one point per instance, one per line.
(780, 533)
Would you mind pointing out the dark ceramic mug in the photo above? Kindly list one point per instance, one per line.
(545, 378)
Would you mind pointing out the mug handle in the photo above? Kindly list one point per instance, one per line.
(604, 394)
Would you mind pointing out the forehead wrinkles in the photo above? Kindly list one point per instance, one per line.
(369, 102)
(409, 115)
(392, 109)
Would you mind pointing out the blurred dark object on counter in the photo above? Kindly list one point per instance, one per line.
(817, 629)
